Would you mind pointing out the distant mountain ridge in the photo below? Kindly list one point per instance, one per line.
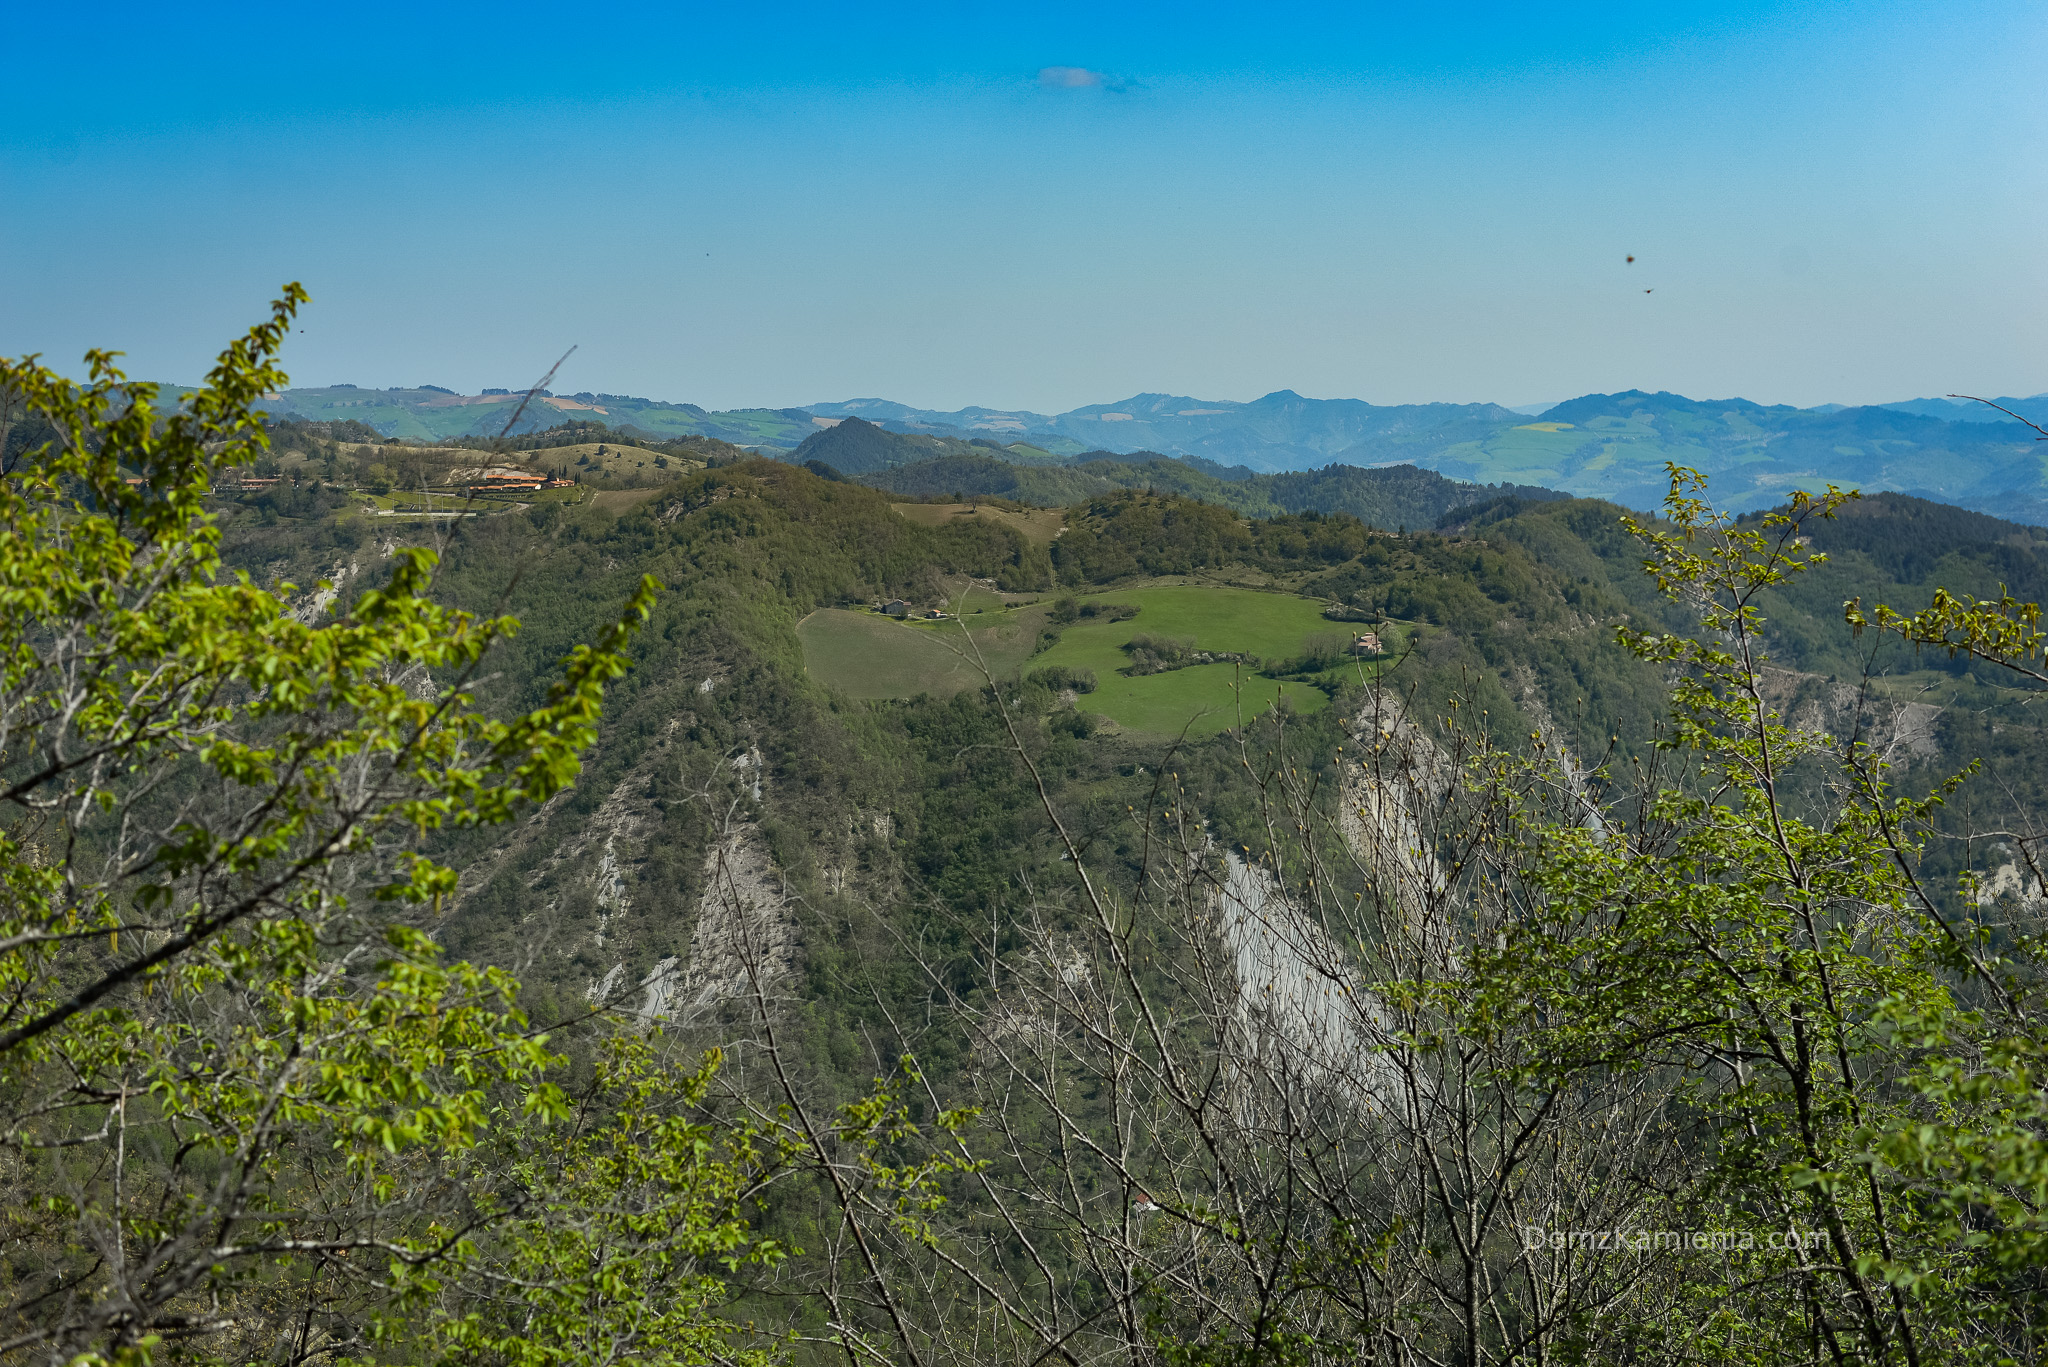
(430, 413)
(1612, 446)
(1281, 431)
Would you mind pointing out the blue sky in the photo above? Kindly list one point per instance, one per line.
(1048, 205)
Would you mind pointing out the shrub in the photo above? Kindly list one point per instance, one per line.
(1060, 677)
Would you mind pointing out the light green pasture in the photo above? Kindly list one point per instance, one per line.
(1268, 625)
(867, 655)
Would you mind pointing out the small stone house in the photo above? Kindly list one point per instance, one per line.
(896, 607)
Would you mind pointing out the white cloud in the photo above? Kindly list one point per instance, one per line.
(1068, 78)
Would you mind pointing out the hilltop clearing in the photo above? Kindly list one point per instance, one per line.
(867, 655)
(1038, 524)
(1268, 631)
(596, 458)
(605, 460)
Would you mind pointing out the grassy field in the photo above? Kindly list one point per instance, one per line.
(866, 655)
(1037, 524)
(412, 503)
(1269, 625)
(977, 600)
(616, 460)
(403, 502)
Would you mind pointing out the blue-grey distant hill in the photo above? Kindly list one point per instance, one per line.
(2033, 409)
(1616, 446)
(1282, 431)
(1612, 446)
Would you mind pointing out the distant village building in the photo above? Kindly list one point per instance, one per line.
(502, 479)
(896, 607)
(1366, 643)
(519, 483)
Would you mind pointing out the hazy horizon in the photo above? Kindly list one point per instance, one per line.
(557, 389)
(1827, 203)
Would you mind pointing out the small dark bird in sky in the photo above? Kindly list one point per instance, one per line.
(1649, 291)
(1631, 261)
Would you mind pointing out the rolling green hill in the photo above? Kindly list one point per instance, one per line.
(765, 566)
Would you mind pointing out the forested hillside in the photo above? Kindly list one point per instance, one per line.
(1391, 498)
(1515, 601)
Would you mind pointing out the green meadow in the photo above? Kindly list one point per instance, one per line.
(867, 655)
(1203, 698)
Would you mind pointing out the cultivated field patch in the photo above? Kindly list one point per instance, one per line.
(1270, 626)
(866, 655)
(619, 500)
(608, 458)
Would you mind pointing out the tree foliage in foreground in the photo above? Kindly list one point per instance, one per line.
(244, 1099)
